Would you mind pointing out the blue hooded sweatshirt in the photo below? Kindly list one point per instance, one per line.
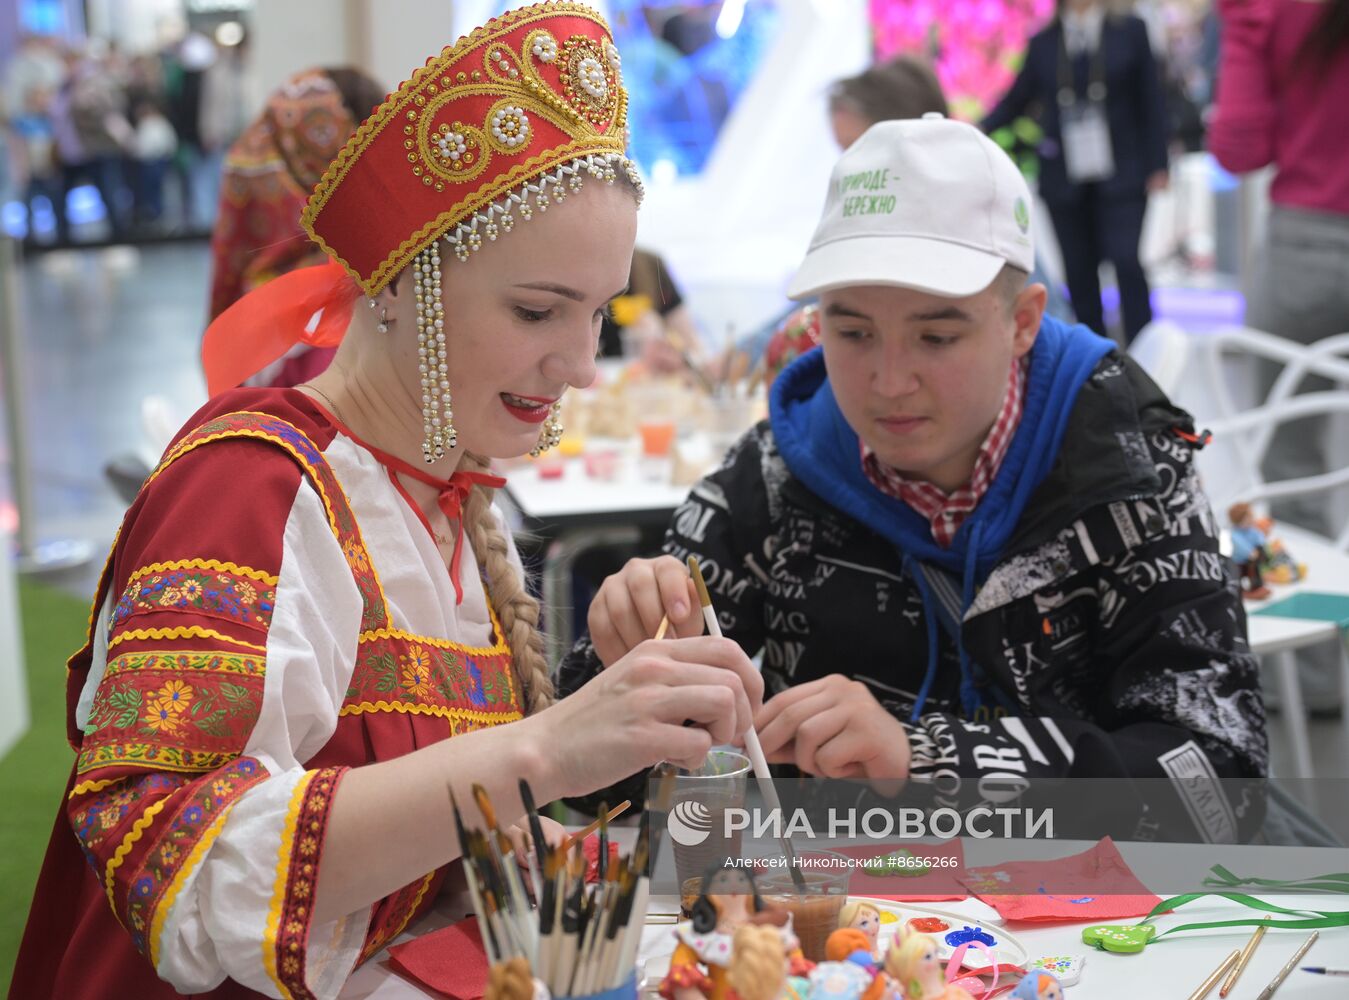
(822, 451)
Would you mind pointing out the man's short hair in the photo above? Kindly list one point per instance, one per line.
(1009, 283)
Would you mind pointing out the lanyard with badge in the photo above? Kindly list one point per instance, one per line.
(1087, 153)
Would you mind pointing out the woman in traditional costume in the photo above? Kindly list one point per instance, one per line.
(290, 627)
(266, 180)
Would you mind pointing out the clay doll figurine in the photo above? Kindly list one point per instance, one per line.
(1248, 550)
(916, 971)
(1038, 986)
(862, 915)
(1278, 566)
(851, 972)
(701, 964)
(758, 968)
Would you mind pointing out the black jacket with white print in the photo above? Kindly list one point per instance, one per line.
(1111, 625)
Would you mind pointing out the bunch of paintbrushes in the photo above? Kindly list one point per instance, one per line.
(577, 939)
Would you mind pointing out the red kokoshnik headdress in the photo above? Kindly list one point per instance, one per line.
(506, 121)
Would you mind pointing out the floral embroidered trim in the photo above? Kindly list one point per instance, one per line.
(156, 885)
(180, 632)
(287, 937)
(402, 908)
(269, 939)
(223, 595)
(160, 758)
(128, 842)
(393, 675)
(99, 815)
(210, 565)
(207, 717)
(225, 661)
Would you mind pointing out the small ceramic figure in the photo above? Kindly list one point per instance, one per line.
(1248, 550)
(704, 952)
(844, 981)
(1279, 566)
(850, 944)
(758, 969)
(1038, 986)
(916, 971)
(863, 916)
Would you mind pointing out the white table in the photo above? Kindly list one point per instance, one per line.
(1277, 639)
(577, 513)
(1168, 969)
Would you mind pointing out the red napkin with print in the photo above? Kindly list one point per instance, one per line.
(1094, 885)
(940, 883)
(591, 847)
(450, 961)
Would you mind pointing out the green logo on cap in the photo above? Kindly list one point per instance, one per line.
(1022, 214)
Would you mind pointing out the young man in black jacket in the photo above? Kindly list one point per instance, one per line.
(969, 540)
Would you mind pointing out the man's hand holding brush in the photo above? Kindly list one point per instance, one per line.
(630, 605)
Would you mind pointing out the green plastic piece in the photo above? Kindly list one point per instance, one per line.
(902, 863)
(1125, 939)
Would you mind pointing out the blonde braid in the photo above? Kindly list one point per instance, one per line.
(517, 611)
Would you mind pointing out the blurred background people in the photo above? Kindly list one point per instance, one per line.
(902, 86)
(93, 135)
(155, 145)
(268, 174)
(31, 80)
(1283, 101)
(650, 320)
(1092, 74)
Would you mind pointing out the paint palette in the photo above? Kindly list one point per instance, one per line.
(949, 929)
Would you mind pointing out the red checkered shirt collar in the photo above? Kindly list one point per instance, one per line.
(947, 512)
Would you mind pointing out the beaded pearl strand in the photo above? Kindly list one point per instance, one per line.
(437, 405)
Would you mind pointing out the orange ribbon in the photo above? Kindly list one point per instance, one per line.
(310, 306)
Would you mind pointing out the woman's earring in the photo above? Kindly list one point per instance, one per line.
(552, 430)
(383, 325)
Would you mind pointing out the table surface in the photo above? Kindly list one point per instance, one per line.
(1327, 573)
(577, 496)
(1171, 968)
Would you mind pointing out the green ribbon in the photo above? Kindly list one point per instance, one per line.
(1309, 918)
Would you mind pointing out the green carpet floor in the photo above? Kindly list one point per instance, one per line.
(33, 774)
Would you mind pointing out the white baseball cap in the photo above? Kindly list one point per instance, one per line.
(925, 203)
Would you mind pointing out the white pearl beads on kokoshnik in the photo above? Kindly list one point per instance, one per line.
(437, 412)
(438, 430)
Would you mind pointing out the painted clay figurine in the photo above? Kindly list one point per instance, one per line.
(863, 916)
(917, 972)
(1248, 550)
(704, 952)
(1038, 986)
(1279, 566)
(758, 969)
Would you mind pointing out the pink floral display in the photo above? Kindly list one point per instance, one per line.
(975, 45)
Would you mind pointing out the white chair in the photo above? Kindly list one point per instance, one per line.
(1213, 376)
